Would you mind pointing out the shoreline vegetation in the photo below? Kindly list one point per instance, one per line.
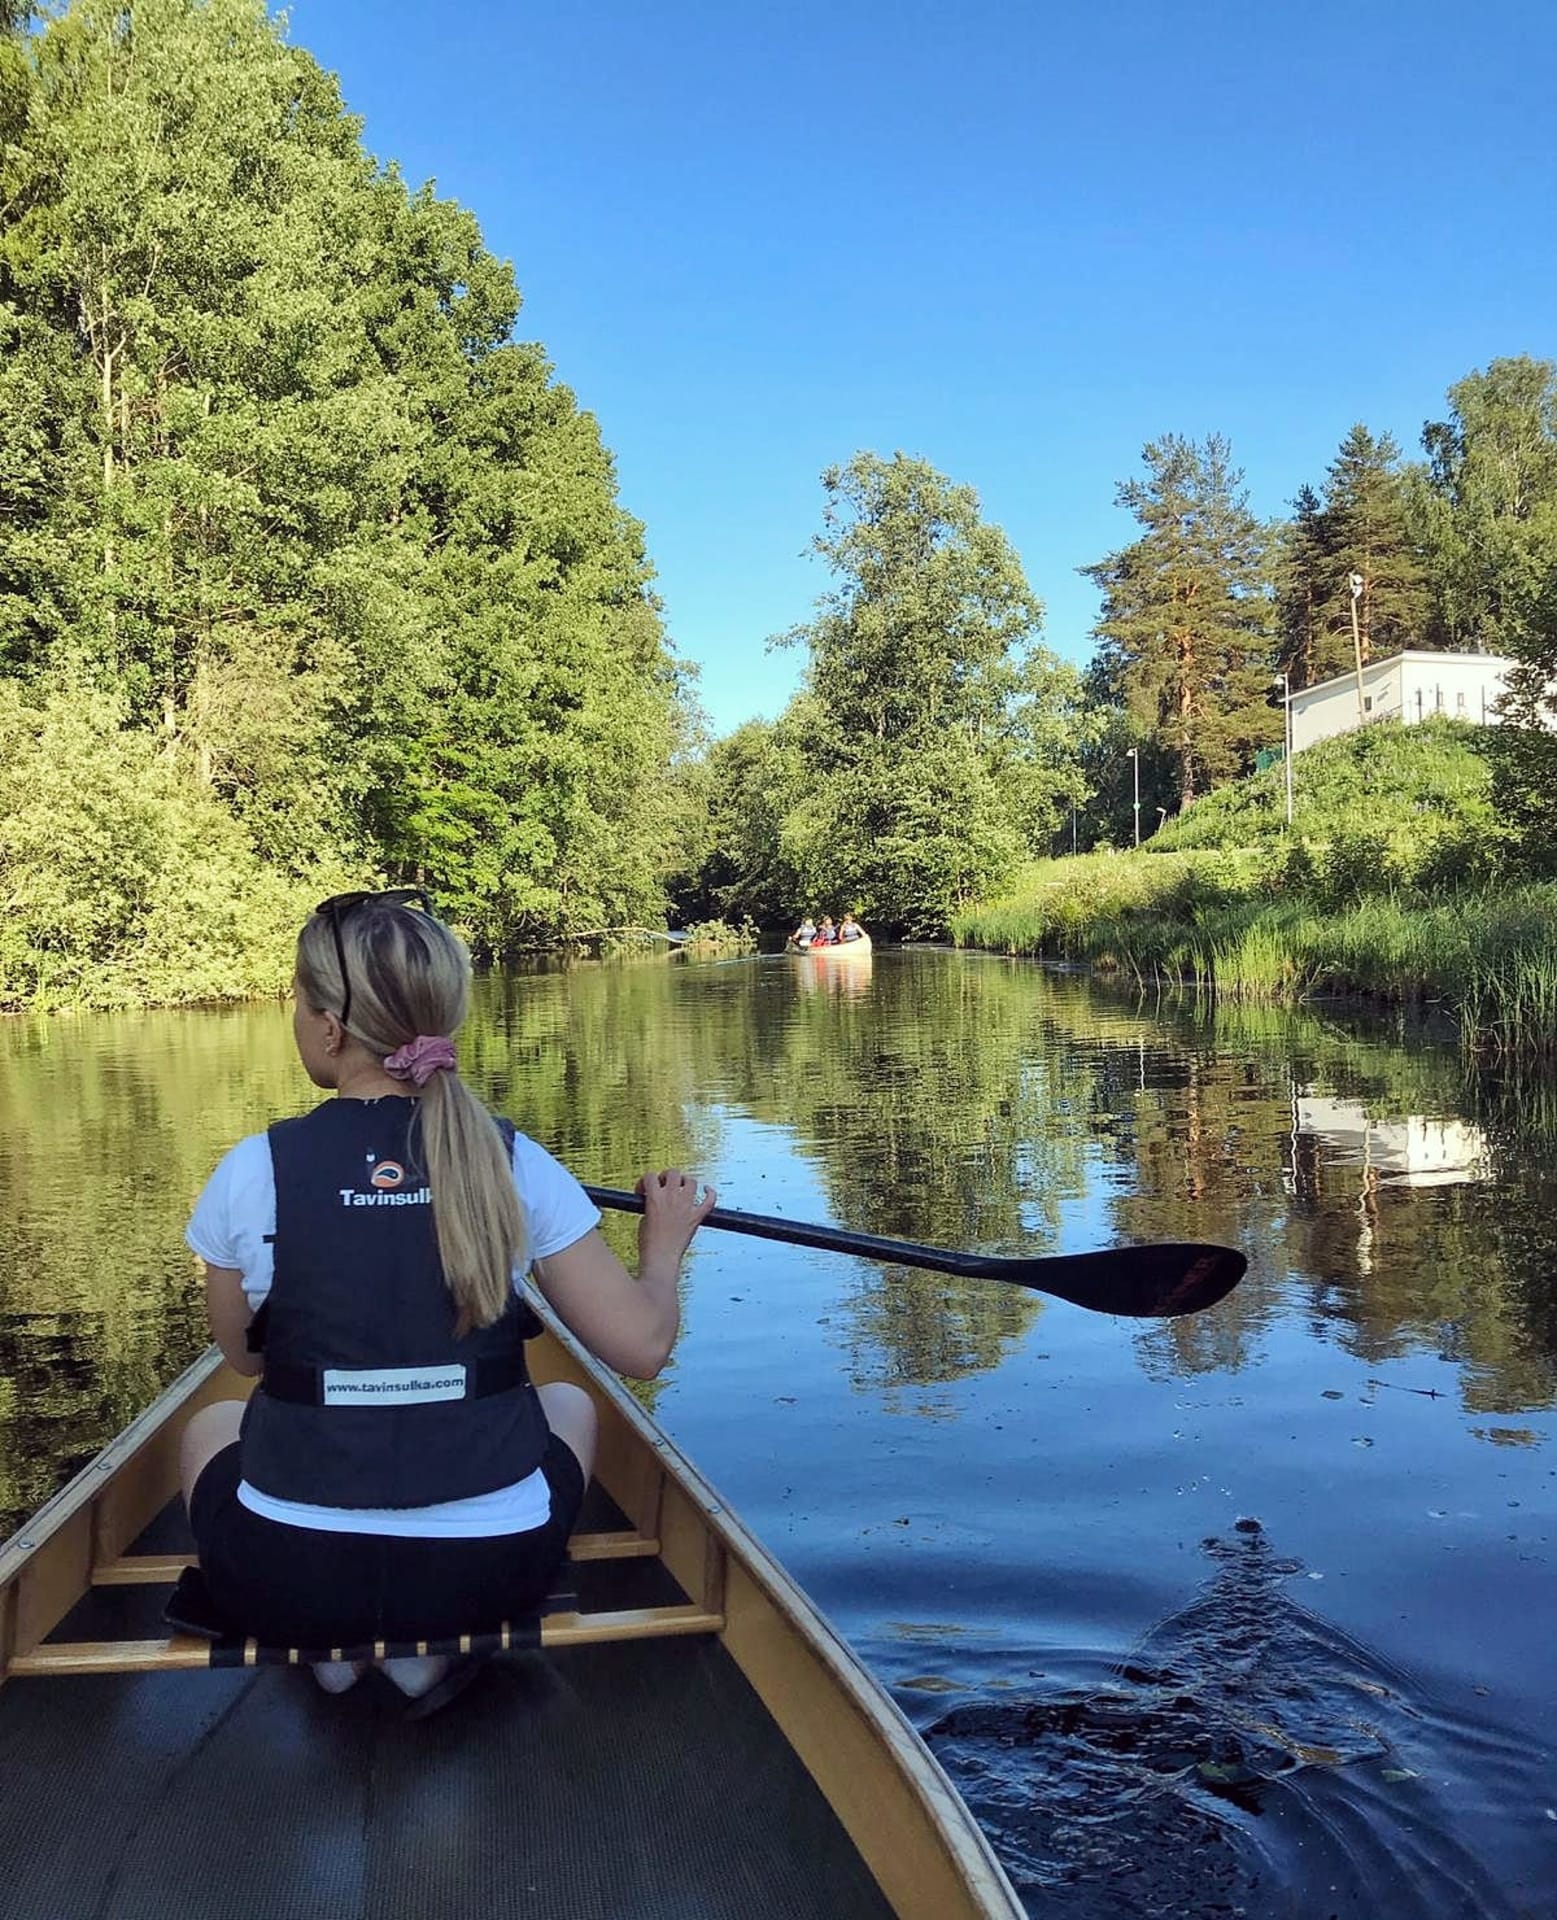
(1488, 958)
(314, 575)
(1392, 885)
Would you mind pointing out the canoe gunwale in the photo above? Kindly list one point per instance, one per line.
(48, 1563)
(976, 1873)
(56, 1512)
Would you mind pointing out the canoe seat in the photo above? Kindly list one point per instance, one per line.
(190, 1611)
(201, 1639)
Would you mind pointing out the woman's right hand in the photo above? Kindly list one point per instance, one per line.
(673, 1210)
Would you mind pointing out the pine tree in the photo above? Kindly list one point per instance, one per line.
(1366, 534)
(1303, 575)
(1185, 632)
(1362, 527)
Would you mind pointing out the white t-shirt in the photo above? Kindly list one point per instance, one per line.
(227, 1229)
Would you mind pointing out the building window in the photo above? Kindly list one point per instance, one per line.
(1367, 705)
(1459, 701)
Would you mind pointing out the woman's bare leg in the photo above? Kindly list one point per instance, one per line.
(211, 1429)
(570, 1413)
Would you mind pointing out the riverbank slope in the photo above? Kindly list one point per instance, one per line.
(1389, 883)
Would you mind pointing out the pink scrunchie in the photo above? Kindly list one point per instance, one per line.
(421, 1058)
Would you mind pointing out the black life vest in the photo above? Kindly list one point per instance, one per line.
(368, 1399)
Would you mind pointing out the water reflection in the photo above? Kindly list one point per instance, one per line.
(1415, 1149)
(1387, 1189)
(1199, 1115)
(848, 975)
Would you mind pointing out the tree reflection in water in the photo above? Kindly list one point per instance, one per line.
(958, 1099)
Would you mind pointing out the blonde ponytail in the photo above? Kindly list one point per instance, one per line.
(481, 1226)
(410, 977)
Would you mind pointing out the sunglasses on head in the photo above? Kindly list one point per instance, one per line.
(340, 906)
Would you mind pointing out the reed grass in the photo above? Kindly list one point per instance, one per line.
(1486, 955)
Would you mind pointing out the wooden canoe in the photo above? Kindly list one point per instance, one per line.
(694, 1739)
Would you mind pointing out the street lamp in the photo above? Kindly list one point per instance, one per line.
(1162, 815)
(1356, 582)
(1135, 761)
(1286, 735)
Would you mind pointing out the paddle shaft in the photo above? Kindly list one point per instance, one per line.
(1161, 1279)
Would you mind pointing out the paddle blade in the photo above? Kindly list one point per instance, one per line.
(1160, 1281)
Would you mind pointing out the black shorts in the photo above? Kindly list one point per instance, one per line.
(294, 1586)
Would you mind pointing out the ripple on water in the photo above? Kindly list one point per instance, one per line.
(1250, 1759)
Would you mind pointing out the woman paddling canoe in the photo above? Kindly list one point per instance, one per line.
(396, 1476)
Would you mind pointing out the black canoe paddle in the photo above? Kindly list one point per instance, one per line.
(1161, 1280)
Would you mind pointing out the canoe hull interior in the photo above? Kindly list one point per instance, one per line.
(622, 1779)
(745, 1767)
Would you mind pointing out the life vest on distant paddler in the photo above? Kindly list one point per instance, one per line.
(368, 1399)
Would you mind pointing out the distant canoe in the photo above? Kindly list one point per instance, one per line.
(838, 949)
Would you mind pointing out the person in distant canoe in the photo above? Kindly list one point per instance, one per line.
(396, 1476)
(826, 933)
(804, 934)
(849, 929)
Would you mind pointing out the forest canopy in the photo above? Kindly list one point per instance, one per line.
(310, 570)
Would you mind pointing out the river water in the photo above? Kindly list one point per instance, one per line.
(1247, 1614)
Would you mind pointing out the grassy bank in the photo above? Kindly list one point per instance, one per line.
(1488, 956)
(1386, 886)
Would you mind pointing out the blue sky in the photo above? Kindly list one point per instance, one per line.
(1017, 239)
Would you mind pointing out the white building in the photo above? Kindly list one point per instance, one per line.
(1407, 686)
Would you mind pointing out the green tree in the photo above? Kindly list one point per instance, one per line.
(1106, 812)
(124, 878)
(1037, 755)
(1185, 632)
(526, 747)
(1489, 509)
(752, 779)
(932, 762)
(274, 469)
(1303, 576)
(1362, 528)
(1366, 533)
(1489, 506)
